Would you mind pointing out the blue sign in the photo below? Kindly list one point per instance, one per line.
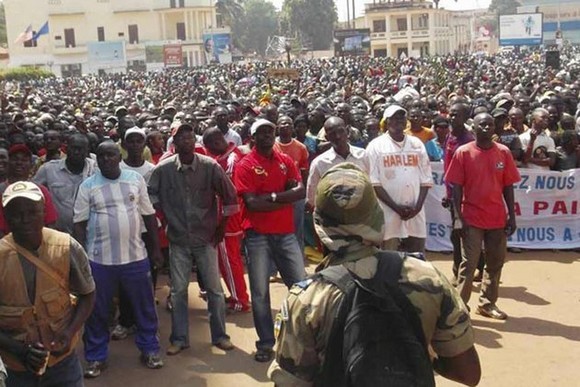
(107, 53)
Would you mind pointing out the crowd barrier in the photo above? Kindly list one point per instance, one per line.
(547, 206)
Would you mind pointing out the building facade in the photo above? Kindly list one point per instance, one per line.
(409, 27)
(93, 36)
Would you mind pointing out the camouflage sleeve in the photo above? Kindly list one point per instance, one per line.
(305, 321)
(443, 314)
(454, 333)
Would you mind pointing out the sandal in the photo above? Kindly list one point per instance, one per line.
(264, 355)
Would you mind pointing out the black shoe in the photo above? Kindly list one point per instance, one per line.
(152, 360)
(264, 355)
(491, 311)
(94, 369)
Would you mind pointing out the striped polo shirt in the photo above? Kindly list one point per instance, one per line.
(114, 210)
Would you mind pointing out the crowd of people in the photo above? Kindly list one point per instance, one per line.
(220, 169)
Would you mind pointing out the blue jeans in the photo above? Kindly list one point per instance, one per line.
(284, 250)
(299, 223)
(135, 280)
(180, 263)
(67, 373)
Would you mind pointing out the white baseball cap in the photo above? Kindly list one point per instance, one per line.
(22, 189)
(260, 122)
(135, 130)
(392, 110)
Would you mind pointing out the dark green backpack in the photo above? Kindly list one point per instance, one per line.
(376, 338)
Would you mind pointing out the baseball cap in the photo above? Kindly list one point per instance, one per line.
(22, 189)
(135, 130)
(260, 122)
(178, 125)
(498, 112)
(392, 110)
(19, 148)
(120, 109)
(378, 98)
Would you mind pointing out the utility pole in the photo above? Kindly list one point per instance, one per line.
(347, 15)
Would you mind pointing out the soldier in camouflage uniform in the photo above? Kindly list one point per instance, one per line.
(346, 207)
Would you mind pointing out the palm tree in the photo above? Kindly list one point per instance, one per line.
(229, 10)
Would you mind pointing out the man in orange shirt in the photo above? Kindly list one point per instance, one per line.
(285, 143)
(415, 128)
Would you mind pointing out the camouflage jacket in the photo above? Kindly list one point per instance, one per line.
(305, 319)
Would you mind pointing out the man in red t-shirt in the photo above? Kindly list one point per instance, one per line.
(229, 250)
(19, 167)
(269, 183)
(483, 173)
(288, 145)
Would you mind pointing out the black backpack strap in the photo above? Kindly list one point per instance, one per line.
(387, 277)
(332, 371)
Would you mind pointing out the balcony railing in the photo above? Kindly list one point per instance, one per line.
(380, 5)
(61, 49)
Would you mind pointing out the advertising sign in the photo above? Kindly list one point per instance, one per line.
(217, 47)
(173, 55)
(291, 74)
(352, 42)
(522, 29)
(107, 54)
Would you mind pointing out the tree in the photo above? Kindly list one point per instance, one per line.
(310, 19)
(3, 37)
(258, 22)
(504, 7)
(229, 11)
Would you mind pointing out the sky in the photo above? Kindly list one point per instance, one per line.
(359, 5)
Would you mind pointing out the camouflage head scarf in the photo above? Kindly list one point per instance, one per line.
(348, 218)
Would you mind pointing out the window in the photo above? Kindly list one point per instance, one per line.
(181, 3)
(133, 34)
(171, 3)
(31, 42)
(380, 52)
(101, 34)
(180, 31)
(69, 37)
(402, 24)
(379, 26)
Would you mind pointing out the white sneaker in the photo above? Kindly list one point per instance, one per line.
(121, 333)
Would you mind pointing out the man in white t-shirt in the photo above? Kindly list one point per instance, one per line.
(401, 175)
(340, 152)
(539, 147)
(134, 143)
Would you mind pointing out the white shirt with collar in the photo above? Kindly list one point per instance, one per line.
(329, 159)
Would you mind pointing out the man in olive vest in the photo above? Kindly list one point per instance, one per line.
(40, 269)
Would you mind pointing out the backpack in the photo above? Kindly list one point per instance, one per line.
(376, 338)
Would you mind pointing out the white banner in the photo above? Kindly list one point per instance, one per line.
(547, 211)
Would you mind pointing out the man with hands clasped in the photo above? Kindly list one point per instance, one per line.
(400, 172)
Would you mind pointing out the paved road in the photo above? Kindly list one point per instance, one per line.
(539, 345)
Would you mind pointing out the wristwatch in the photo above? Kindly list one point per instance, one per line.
(273, 196)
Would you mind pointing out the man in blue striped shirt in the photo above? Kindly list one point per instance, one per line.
(110, 210)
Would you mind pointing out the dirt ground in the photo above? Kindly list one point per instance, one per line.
(539, 345)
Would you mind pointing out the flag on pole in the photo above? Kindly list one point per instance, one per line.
(42, 31)
(24, 36)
